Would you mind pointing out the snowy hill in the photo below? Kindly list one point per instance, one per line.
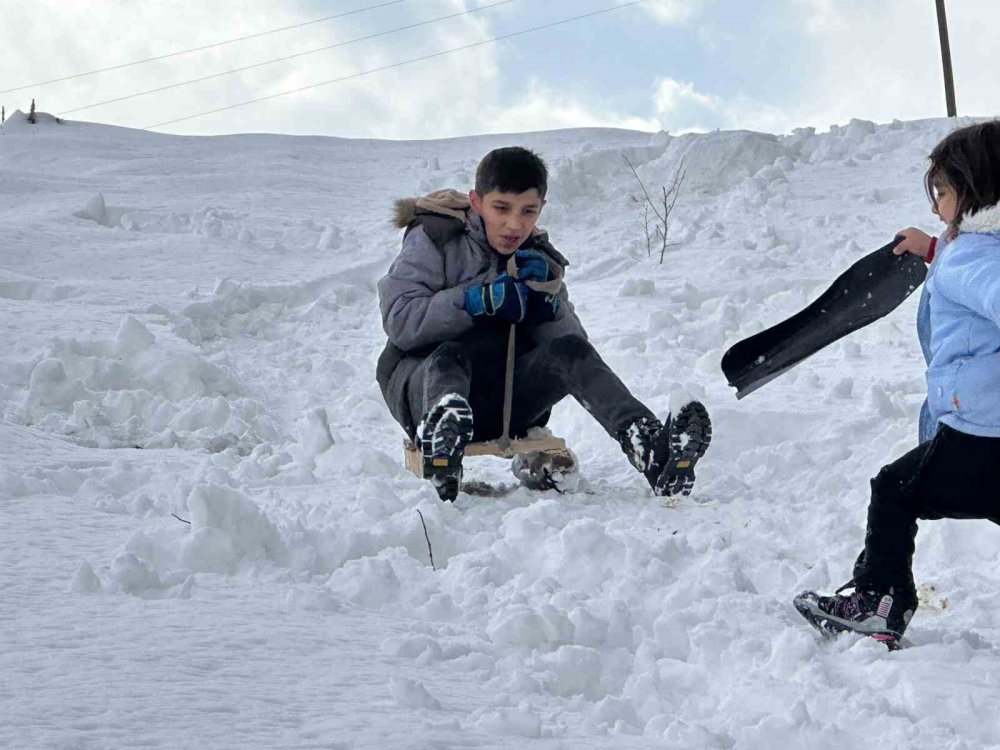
(209, 539)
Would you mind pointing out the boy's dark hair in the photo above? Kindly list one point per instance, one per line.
(968, 159)
(512, 169)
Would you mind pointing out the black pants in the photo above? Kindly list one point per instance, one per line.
(566, 366)
(955, 475)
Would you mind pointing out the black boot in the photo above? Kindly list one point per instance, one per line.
(442, 437)
(646, 446)
(666, 455)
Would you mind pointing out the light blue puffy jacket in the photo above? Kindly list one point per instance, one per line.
(958, 323)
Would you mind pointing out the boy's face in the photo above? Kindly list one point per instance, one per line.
(509, 218)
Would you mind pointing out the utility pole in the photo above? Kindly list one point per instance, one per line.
(949, 79)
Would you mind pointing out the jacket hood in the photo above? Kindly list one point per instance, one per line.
(984, 221)
(447, 202)
(452, 204)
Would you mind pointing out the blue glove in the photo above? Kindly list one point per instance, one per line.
(504, 299)
(531, 265)
(542, 307)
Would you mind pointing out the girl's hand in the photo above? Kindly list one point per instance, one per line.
(914, 241)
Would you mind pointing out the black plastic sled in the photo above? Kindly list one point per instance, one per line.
(870, 289)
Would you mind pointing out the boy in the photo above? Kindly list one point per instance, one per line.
(447, 305)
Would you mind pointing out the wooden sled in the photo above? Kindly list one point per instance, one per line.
(414, 459)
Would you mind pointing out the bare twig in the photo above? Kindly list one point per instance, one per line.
(645, 229)
(669, 199)
(180, 519)
(649, 200)
(430, 550)
(670, 196)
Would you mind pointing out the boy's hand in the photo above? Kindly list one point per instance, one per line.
(531, 266)
(914, 241)
(542, 307)
(504, 299)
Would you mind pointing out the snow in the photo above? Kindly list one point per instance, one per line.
(209, 539)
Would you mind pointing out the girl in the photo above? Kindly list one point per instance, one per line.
(956, 473)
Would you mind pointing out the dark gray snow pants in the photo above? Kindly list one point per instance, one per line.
(475, 368)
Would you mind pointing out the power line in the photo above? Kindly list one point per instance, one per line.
(396, 65)
(282, 59)
(205, 47)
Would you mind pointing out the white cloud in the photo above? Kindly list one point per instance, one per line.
(452, 95)
(878, 60)
(672, 96)
(672, 11)
(882, 60)
(541, 108)
(823, 16)
(35, 50)
(680, 108)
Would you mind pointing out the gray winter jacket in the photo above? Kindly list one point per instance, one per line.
(422, 296)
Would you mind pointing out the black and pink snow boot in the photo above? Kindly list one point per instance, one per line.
(879, 615)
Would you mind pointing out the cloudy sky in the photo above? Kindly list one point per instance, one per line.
(677, 65)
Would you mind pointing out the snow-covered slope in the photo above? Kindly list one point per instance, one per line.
(208, 539)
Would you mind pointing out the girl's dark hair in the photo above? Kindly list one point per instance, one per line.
(512, 169)
(968, 159)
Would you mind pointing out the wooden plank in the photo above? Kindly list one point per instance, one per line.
(525, 445)
(414, 461)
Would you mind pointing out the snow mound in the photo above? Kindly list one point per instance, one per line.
(594, 172)
(513, 722)
(228, 527)
(220, 222)
(240, 308)
(85, 581)
(713, 162)
(16, 287)
(217, 222)
(98, 211)
(407, 692)
(134, 391)
(18, 121)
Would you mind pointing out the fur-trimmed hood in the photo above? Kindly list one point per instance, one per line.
(984, 221)
(447, 202)
(452, 204)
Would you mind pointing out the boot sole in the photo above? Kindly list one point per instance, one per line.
(444, 448)
(829, 626)
(690, 433)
